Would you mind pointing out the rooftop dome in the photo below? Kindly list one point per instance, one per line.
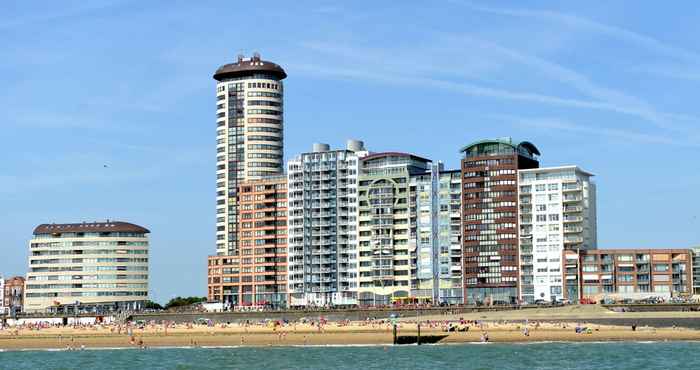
(107, 226)
(247, 67)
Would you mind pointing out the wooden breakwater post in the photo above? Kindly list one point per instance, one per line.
(419, 334)
(396, 341)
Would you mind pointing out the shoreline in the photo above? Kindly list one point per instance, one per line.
(331, 337)
(365, 345)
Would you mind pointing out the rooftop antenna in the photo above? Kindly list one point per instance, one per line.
(256, 56)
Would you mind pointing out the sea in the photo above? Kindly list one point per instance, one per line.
(531, 356)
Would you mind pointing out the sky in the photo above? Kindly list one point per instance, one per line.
(609, 86)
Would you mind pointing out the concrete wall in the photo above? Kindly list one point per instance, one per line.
(354, 315)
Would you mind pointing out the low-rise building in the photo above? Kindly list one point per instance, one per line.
(13, 295)
(257, 277)
(96, 267)
(627, 273)
(3, 308)
(696, 271)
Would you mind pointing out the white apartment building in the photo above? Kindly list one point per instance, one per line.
(95, 267)
(322, 226)
(557, 212)
(249, 136)
(437, 199)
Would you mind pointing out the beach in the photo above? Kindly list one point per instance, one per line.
(359, 333)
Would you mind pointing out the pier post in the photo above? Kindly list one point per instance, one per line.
(419, 334)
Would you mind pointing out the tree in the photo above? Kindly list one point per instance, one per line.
(180, 301)
(150, 305)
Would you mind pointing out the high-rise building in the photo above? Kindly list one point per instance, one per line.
(490, 217)
(557, 213)
(97, 267)
(258, 276)
(628, 273)
(437, 264)
(14, 295)
(386, 226)
(322, 221)
(249, 136)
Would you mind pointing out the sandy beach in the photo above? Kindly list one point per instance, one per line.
(330, 334)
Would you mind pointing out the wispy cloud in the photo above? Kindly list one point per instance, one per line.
(463, 88)
(675, 72)
(564, 125)
(38, 18)
(394, 69)
(576, 21)
(610, 97)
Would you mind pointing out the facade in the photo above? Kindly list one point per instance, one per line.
(13, 294)
(437, 266)
(386, 226)
(3, 308)
(249, 137)
(696, 271)
(557, 212)
(322, 235)
(100, 266)
(490, 217)
(627, 273)
(258, 276)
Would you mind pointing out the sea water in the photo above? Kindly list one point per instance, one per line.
(555, 356)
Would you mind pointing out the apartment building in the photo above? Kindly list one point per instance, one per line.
(97, 267)
(437, 266)
(13, 295)
(696, 271)
(386, 226)
(258, 276)
(249, 136)
(3, 308)
(322, 236)
(627, 273)
(557, 211)
(490, 217)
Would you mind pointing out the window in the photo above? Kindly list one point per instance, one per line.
(553, 217)
(541, 207)
(661, 289)
(553, 187)
(661, 267)
(540, 187)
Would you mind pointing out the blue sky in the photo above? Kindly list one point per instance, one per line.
(609, 86)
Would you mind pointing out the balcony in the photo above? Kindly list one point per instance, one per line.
(573, 218)
(571, 187)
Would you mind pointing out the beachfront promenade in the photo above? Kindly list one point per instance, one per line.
(543, 324)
